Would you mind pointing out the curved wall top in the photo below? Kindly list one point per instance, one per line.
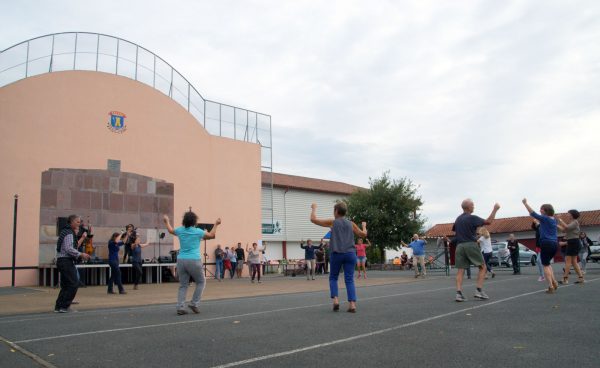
(104, 53)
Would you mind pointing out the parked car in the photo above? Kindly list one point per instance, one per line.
(594, 255)
(501, 255)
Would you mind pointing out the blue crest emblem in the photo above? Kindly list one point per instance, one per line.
(116, 122)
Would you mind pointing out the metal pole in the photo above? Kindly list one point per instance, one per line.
(97, 51)
(27, 62)
(117, 60)
(14, 255)
(137, 50)
(75, 53)
(51, 56)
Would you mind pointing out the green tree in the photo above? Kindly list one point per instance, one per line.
(391, 209)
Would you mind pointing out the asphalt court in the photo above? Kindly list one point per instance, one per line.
(397, 324)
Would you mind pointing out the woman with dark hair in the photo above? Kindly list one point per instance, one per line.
(585, 250)
(189, 262)
(343, 251)
(113, 261)
(573, 245)
(254, 259)
(548, 240)
(136, 261)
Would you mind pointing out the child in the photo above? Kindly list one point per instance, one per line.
(548, 240)
(343, 251)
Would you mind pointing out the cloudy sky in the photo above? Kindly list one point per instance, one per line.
(493, 100)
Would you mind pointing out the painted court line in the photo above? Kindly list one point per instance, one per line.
(234, 316)
(378, 332)
(229, 317)
(129, 309)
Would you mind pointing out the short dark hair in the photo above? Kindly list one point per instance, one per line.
(548, 209)
(72, 218)
(575, 214)
(190, 219)
(340, 208)
(114, 236)
(130, 225)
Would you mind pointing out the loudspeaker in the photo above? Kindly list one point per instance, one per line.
(61, 223)
(205, 227)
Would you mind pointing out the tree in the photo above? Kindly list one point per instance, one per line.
(391, 209)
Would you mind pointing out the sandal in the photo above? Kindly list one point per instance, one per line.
(580, 280)
(336, 307)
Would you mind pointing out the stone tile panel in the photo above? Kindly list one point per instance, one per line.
(49, 198)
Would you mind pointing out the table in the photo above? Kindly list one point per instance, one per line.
(99, 274)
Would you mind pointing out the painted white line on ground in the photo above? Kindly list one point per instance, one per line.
(378, 332)
(125, 310)
(232, 316)
(41, 362)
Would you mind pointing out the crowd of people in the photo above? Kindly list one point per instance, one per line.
(472, 240)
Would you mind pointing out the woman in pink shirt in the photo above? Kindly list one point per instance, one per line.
(361, 254)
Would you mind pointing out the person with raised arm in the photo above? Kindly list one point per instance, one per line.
(548, 240)
(467, 250)
(254, 259)
(67, 255)
(343, 251)
(418, 247)
(572, 231)
(361, 254)
(136, 260)
(114, 245)
(189, 262)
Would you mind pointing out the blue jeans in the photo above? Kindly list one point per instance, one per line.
(232, 270)
(539, 264)
(115, 276)
(219, 269)
(348, 261)
(486, 258)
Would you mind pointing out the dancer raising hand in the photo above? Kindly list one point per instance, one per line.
(343, 251)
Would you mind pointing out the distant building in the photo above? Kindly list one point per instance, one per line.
(292, 198)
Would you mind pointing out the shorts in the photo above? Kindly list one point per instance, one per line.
(468, 254)
(573, 247)
(240, 264)
(548, 251)
(362, 259)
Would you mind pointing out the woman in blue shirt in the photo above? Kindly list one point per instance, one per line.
(189, 262)
(136, 260)
(548, 240)
(113, 261)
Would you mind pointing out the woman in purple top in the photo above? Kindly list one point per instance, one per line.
(548, 240)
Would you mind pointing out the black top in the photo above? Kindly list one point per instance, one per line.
(513, 246)
(239, 254)
(466, 226)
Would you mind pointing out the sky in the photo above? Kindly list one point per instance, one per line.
(492, 100)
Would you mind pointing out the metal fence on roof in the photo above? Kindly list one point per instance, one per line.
(109, 54)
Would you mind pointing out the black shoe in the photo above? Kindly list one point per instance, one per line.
(336, 307)
(181, 312)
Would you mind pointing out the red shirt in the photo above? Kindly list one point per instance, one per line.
(361, 250)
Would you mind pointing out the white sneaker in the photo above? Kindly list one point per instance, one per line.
(480, 295)
(541, 278)
(460, 298)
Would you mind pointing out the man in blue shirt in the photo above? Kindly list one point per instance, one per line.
(418, 247)
(309, 258)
